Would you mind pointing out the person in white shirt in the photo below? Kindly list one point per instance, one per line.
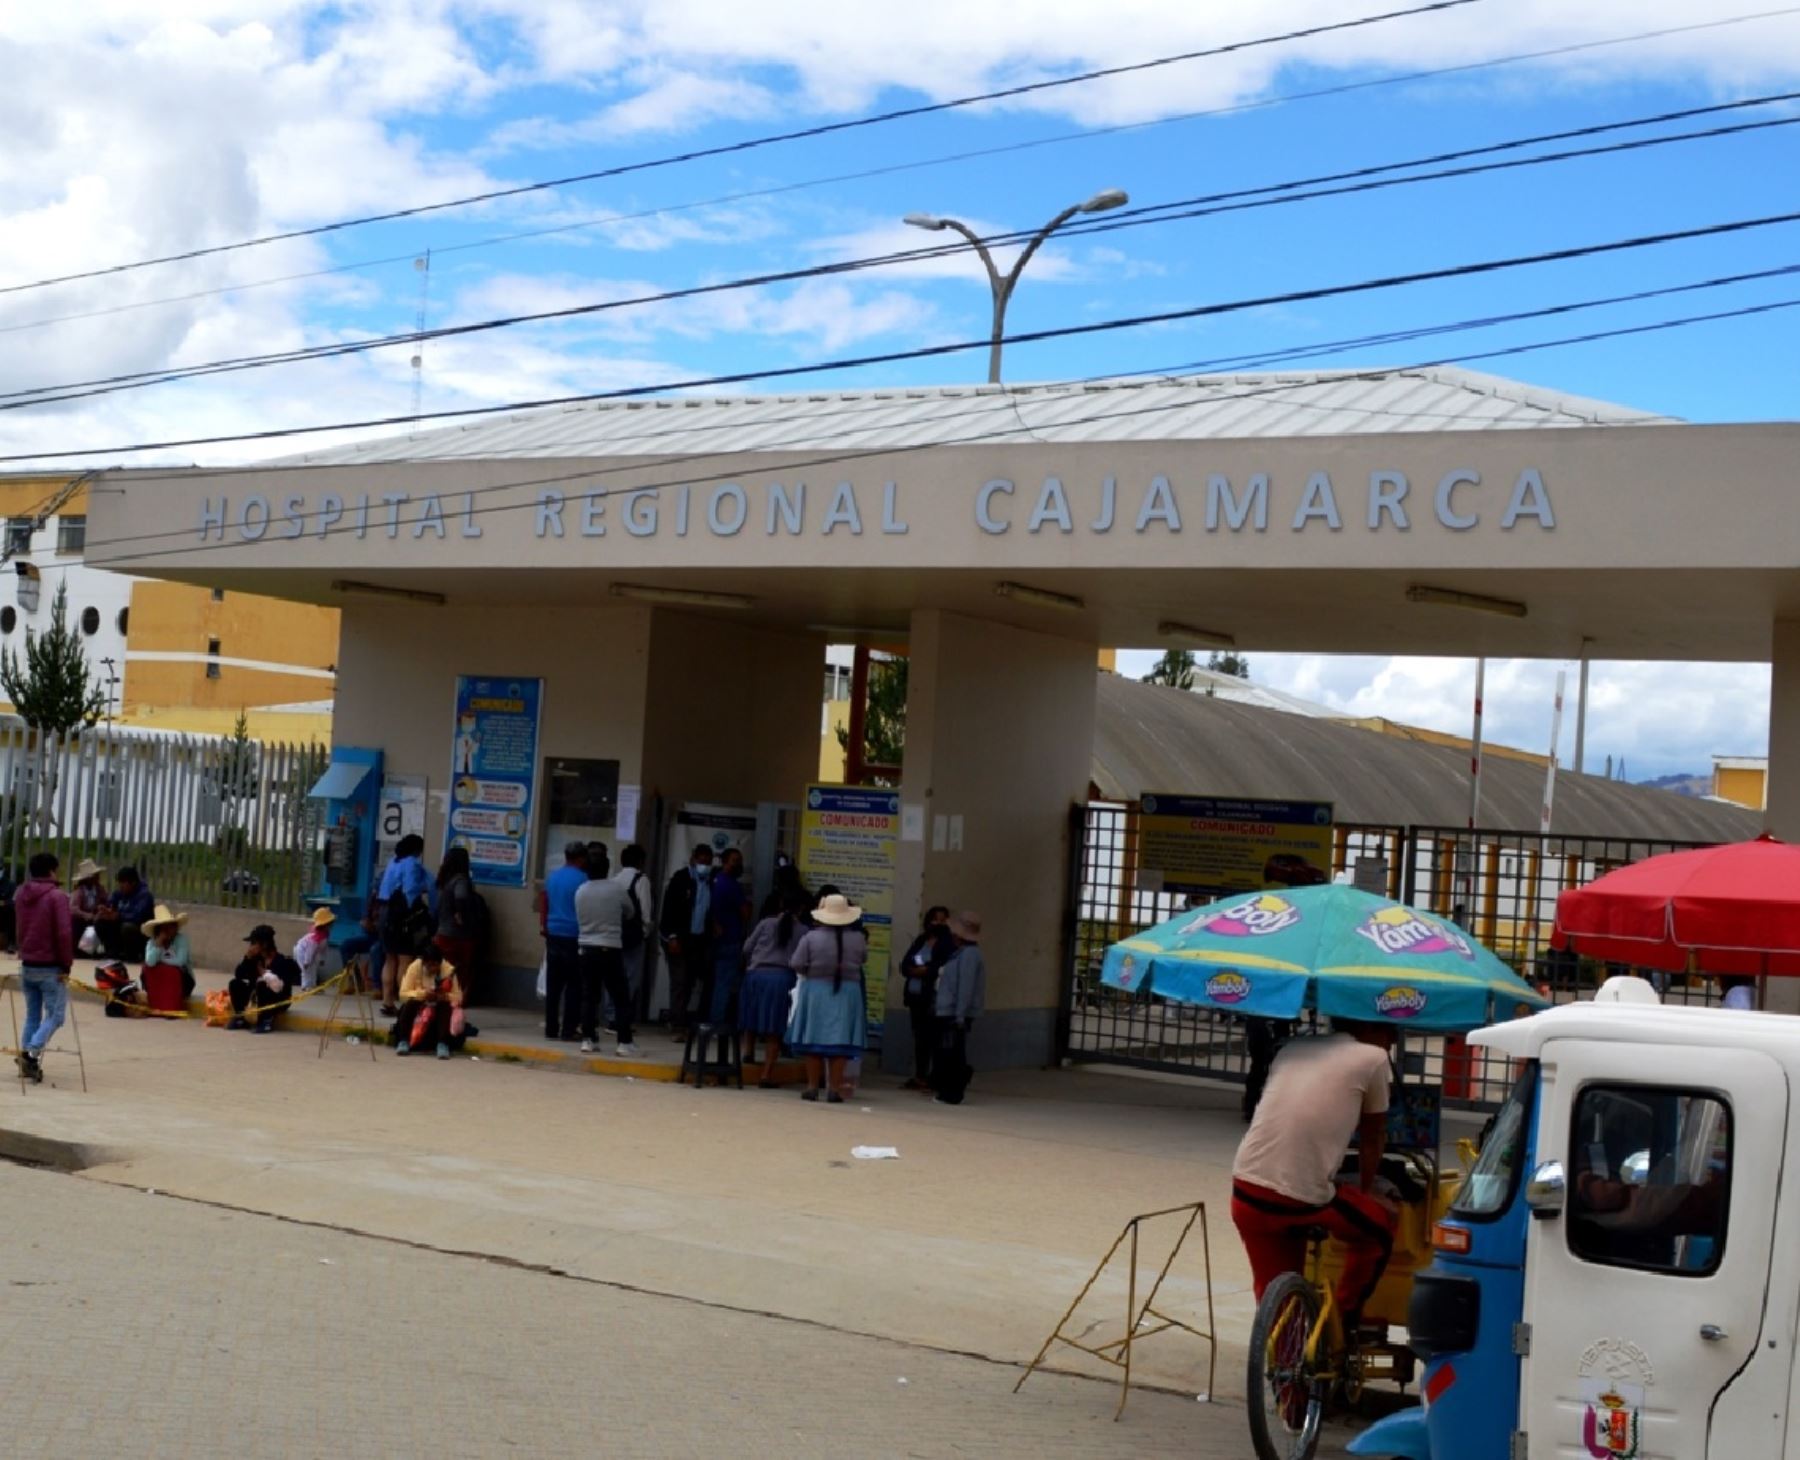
(1740, 991)
(309, 952)
(600, 906)
(639, 905)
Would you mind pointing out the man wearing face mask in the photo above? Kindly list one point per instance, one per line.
(686, 929)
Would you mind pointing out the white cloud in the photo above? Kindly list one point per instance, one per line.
(844, 57)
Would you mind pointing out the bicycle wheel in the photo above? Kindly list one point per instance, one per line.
(1283, 1391)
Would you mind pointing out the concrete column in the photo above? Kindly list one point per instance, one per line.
(1782, 995)
(1784, 733)
(999, 743)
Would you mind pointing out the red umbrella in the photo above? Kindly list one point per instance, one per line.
(1736, 909)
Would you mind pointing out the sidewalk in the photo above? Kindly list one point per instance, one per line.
(973, 1241)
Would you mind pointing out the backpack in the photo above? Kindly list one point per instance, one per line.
(476, 918)
(631, 926)
(393, 919)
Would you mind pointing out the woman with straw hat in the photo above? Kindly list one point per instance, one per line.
(166, 946)
(829, 1019)
(85, 896)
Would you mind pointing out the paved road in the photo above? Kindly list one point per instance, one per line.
(151, 1326)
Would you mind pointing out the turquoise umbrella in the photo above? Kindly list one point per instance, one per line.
(1342, 952)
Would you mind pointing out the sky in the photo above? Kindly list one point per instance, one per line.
(136, 130)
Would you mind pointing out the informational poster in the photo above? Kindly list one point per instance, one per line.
(849, 839)
(493, 782)
(1213, 846)
(401, 813)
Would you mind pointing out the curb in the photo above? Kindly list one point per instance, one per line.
(787, 1072)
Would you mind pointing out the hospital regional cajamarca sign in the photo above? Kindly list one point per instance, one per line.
(1458, 500)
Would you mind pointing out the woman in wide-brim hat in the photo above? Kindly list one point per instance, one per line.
(830, 1018)
(166, 945)
(86, 896)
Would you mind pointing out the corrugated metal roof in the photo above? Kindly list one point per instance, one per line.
(1148, 738)
(1197, 407)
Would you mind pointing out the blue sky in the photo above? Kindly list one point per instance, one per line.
(213, 119)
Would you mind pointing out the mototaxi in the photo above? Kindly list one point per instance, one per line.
(1618, 1276)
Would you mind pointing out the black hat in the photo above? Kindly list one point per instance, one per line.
(261, 933)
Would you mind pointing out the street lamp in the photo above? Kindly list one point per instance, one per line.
(1002, 284)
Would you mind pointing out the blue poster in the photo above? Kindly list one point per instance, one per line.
(493, 775)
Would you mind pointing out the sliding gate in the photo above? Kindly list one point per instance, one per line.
(1501, 886)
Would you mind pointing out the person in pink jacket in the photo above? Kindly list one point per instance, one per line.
(46, 954)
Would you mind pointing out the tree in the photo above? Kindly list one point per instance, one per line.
(884, 718)
(1230, 662)
(1175, 669)
(50, 685)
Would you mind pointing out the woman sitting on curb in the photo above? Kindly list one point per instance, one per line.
(165, 945)
(430, 1005)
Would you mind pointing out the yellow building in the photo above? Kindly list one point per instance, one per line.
(172, 656)
(1742, 779)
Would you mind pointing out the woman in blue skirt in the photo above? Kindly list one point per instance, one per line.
(829, 1015)
(769, 985)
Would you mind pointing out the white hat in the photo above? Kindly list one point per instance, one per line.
(837, 911)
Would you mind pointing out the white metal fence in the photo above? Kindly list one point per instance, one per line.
(203, 819)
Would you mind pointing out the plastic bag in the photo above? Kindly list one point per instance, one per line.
(90, 940)
(218, 1009)
(544, 977)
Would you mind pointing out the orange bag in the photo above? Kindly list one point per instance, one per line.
(218, 1009)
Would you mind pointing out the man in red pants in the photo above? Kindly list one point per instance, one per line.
(1285, 1176)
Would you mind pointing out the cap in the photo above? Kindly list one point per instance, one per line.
(261, 933)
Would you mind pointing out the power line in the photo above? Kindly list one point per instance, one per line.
(1270, 195)
(1295, 296)
(988, 403)
(639, 484)
(1217, 363)
(749, 144)
(1029, 144)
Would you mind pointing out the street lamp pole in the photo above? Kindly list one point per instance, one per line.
(1003, 284)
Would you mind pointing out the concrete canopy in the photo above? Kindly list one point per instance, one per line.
(1284, 512)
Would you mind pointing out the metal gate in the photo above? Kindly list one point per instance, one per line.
(1500, 885)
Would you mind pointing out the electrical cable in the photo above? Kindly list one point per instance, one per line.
(1058, 139)
(1225, 363)
(1294, 296)
(106, 385)
(750, 144)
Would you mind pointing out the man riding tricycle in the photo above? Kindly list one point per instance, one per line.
(1333, 1244)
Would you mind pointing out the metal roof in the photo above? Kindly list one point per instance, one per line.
(1150, 738)
(1171, 408)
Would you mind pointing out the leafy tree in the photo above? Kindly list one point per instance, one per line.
(884, 718)
(1175, 669)
(50, 685)
(1230, 662)
(238, 763)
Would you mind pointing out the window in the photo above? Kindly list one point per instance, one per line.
(9, 619)
(90, 621)
(218, 595)
(212, 658)
(18, 535)
(71, 534)
(1651, 1183)
(124, 620)
(1488, 1189)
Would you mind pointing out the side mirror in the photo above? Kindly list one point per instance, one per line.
(1545, 1191)
(1634, 1170)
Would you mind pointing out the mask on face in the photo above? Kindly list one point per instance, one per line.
(702, 871)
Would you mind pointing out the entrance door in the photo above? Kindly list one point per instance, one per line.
(1645, 1295)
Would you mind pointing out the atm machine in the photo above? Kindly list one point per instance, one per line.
(351, 791)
